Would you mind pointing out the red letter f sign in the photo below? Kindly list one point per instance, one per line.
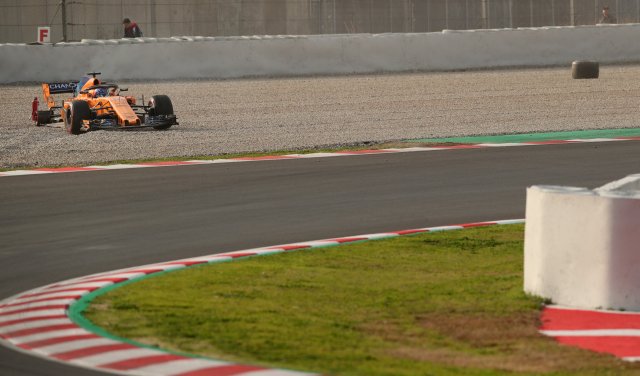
(44, 34)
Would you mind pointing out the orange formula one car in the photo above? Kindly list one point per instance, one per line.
(99, 105)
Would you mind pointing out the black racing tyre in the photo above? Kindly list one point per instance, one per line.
(585, 69)
(78, 111)
(160, 105)
(44, 117)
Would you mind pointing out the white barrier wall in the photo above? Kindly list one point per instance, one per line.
(228, 57)
(582, 247)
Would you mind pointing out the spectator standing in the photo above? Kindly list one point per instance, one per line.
(607, 18)
(131, 29)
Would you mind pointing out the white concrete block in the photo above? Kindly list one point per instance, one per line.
(582, 247)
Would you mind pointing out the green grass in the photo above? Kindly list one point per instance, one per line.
(433, 304)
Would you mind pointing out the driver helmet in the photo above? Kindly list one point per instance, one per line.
(100, 92)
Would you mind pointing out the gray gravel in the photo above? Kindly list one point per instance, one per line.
(232, 116)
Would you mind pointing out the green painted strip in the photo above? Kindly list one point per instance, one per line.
(76, 309)
(534, 137)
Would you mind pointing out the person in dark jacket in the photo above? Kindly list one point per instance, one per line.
(607, 18)
(131, 29)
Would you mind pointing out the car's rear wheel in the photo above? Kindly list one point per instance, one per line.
(44, 117)
(160, 105)
(78, 111)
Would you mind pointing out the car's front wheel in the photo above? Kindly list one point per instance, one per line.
(160, 105)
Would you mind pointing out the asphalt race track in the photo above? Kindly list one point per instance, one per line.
(60, 226)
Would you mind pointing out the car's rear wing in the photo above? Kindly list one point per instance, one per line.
(50, 88)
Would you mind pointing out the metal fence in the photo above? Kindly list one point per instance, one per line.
(160, 18)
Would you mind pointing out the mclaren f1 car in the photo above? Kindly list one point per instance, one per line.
(97, 104)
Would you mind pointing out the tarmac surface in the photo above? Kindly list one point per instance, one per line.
(60, 226)
(230, 116)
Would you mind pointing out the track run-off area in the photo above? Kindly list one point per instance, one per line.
(61, 226)
(269, 114)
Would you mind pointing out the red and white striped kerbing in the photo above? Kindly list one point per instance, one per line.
(57, 170)
(616, 333)
(37, 321)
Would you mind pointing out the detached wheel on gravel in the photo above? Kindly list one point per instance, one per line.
(585, 69)
(78, 111)
(160, 105)
(44, 117)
